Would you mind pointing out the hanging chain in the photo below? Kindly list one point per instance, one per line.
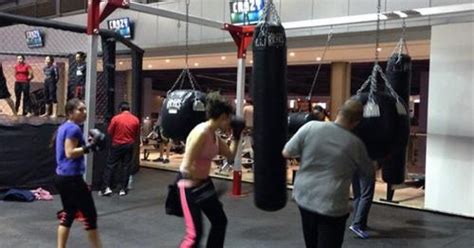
(186, 73)
(403, 42)
(328, 42)
(377, 34)
(269, 10)
(187, 32)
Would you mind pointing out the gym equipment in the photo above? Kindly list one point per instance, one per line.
(182, 109)
(385, 113)
(269, 76)
(378, 132)
(398, 73)
(238, 125)
(298, 119)
(97, 141)
(181, 112)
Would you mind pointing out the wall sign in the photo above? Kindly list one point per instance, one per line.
(246, 12)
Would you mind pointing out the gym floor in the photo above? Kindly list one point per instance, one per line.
(139, 220)
(408, 197)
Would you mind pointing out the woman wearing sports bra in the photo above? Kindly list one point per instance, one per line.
(196, 190)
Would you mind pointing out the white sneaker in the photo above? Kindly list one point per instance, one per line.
(122, 192)
(106, 192)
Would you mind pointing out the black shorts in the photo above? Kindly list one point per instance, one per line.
(77, 202)
(50, 91)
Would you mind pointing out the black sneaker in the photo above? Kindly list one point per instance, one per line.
(160, 159)
(165, 161)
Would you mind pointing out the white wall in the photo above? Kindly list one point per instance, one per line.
(450, 142)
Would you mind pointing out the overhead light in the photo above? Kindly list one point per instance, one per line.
(120, 63)
(251, 61)
(150, 66)
(292, 54)
(196, 64)
(318, 58)
(379, 49)
(401, 14)
(223, 57)
(444, 10)
(167, 60)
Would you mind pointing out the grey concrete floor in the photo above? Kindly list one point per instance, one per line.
(139, 220)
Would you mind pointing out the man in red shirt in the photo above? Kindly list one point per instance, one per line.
(23, 76)
(124, 130)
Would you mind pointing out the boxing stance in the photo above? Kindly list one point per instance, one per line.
(330, 154)
(196, 190)
(75, 195)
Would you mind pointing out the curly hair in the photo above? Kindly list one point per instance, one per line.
(217, 105)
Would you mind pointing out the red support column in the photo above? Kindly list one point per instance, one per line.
(242, 36)
(97, 11)
(93, 13)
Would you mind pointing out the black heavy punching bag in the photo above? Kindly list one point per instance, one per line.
(270, 114)
(181, 111)
(378, 132)
(398, 73)
(298, 119)
(385, 116)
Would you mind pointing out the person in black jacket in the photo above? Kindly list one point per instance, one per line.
(4, 93)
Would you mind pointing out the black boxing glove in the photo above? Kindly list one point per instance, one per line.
(238, 125)
(96, 141)
(91, 147)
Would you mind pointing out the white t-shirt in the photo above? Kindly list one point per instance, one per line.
(329, 157)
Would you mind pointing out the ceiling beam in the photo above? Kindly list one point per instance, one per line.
(386, 16)
(144, 8)
(321, 22)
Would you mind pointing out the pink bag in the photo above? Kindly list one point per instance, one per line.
(41, 194)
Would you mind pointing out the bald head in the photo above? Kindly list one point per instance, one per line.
(350, 113)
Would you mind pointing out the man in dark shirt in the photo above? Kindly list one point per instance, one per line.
(51, 77)
(78, 77)
(124, 129)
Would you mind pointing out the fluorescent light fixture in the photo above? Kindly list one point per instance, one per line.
(167, 60)
(401, 14)
(333, 21)
(223, 57)
(150, 66)
(292, 54)
(443, 10)
(196, 64)
(318, 58)
(394, 15)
